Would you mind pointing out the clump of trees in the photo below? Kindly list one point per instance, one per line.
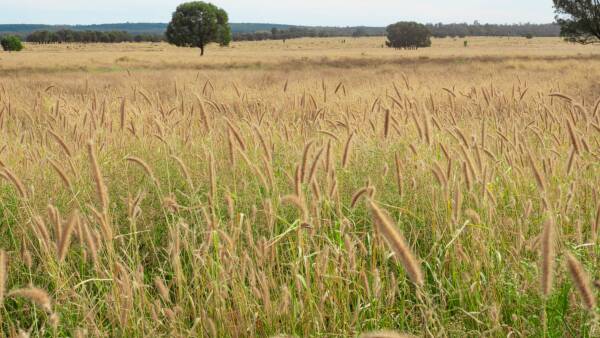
(11, 43)
(196, 24)
(73, 36)
(408, 35)
(579, 20)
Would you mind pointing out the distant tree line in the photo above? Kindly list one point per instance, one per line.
(441, 30)
(438, 30)
(295, 32)
(70, 36)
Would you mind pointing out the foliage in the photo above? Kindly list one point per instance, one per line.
(408, 35)
(197, 23)
(579, 20)
(72, 36)
(360, 31)
(11, 43)
(224, 36)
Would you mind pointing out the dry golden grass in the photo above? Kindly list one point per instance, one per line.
(145, 190)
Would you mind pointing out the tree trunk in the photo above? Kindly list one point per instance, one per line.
(202, 51)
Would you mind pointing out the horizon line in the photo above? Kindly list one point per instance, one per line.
(282, 24)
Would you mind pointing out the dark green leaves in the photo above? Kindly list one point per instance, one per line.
(197, 23)
(11, 44)
(579, 20)
(408, 35)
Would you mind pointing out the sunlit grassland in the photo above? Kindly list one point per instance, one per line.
(230, 180)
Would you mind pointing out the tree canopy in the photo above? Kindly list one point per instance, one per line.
(579, 20)
(408, 35)
(11, 43)
(197, 23)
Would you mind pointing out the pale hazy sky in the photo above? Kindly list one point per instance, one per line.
(299, 12)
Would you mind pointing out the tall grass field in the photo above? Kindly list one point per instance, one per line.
(312, 188)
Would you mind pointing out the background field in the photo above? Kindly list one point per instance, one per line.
(232, 180)
(314, 52)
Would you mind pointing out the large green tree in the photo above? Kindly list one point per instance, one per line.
(197, 23)
(409, 35)
(579, 20)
